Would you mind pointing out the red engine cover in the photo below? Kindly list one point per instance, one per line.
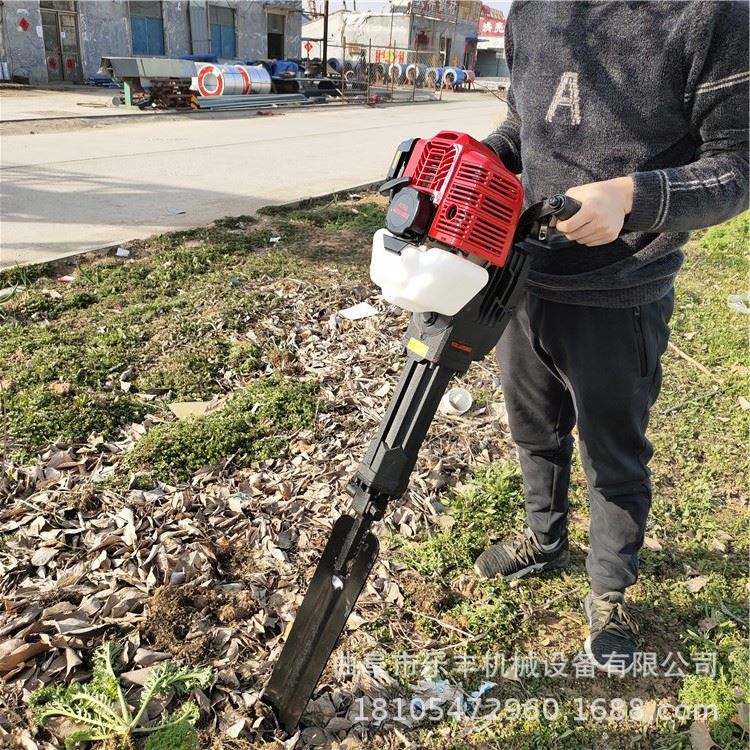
(478, 201)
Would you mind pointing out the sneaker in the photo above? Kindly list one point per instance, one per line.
(521, 556)
(611, 643)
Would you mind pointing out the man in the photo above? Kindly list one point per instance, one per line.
(639, 110)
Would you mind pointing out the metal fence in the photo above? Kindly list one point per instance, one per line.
(371, 73)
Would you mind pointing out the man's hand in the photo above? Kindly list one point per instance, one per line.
(604, 206)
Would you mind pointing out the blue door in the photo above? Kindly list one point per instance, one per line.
(222, 40)
(146, 28)
(221, 21)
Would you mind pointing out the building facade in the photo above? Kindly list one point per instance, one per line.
(446, 28)
(64, 40)
(491, 60)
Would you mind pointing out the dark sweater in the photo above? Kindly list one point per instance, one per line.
(656, 90)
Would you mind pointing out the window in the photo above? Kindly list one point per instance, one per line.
(275, 26)
(146, 27)
(445, 50)
(223, 37)
(63, 5)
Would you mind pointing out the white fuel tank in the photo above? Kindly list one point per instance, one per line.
(423, 278)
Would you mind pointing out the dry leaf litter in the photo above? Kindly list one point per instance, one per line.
(212, 572)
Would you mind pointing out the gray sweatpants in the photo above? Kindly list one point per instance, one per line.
(599, 368)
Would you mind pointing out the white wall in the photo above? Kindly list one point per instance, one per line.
(386, 30)
(25, 49)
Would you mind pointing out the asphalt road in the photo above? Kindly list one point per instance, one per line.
(75, 190)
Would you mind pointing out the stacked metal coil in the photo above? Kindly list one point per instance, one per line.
(397, 72)
(454, 76)
(231, 80)
(415, 73)
(354, 68)
(433, 76)
(378, 71)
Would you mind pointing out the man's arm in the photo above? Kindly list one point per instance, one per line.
(707, 191)
(506, 140)
(713, 188)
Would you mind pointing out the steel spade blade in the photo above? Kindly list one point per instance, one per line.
(318, 625)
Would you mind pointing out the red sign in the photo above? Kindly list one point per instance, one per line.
(308, 46)
(70, 63)
(52, 62)
(23, 24)
(491, 26)
(390, 56)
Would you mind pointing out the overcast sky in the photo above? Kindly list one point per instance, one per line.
(383, 5)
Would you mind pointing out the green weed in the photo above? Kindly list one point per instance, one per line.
(491, 503)
(99, 710)
(38, 416)
(255, 424)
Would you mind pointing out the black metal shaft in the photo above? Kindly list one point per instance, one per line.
(352, 548)
(392, 454)
(383, 474)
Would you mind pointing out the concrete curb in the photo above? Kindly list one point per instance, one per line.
(74, 259)
(313, 200)
(163, 114)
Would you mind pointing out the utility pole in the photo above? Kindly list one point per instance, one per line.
(455, 29)
(325, 39)
(390, 34)
(411, 24)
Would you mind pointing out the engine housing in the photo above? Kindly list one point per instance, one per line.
(475, 200)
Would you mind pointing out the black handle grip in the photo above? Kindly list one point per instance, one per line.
(394, 184)
(563, 206)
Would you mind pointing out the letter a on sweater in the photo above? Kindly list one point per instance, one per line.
(566, 96)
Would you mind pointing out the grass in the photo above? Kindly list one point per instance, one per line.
(494, 501)
(256, 423)
(179, 321)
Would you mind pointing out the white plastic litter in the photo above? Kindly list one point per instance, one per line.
(455, 402)
(359, 311)
(739, 303)
(122, 252)
(475, 696)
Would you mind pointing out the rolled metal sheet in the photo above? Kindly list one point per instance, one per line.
(260, 79)
(397, 72)
(415, 73)
(229, 80)
(454, 76)
(433, 76)
(378, 70)
(353, 68)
